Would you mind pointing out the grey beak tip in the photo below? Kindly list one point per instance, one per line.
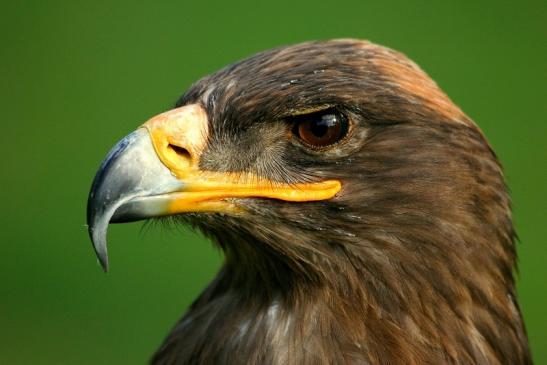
(104, 264)
(98, 237)
(102, 257)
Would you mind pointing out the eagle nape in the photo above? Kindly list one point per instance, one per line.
(363, 217)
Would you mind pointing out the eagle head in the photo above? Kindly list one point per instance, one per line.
(363, 216)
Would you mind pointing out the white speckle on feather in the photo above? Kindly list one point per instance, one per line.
(205, 95)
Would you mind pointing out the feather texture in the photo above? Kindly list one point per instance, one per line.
(411, 263)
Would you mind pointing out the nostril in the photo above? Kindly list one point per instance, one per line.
(180, 151)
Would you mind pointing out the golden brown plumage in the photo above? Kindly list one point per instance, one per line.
(410, 263)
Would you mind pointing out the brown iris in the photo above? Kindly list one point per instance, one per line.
(321, 129)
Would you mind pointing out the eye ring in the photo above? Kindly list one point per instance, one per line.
(322, 129)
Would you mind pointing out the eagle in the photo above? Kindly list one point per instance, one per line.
(362, 216)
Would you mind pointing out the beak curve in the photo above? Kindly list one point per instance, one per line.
(155, 171)
(129, 171)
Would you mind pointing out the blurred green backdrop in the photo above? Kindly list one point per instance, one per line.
(79, 75)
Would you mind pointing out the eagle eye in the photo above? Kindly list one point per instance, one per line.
(320, 129)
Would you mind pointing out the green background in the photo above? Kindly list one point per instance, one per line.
(77, 76)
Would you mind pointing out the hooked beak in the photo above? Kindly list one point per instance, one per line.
(154, 172)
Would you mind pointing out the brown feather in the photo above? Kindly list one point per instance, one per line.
(412, 263)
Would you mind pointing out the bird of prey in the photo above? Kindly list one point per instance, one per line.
(363, 217)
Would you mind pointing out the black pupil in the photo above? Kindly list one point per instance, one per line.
(320, 127)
